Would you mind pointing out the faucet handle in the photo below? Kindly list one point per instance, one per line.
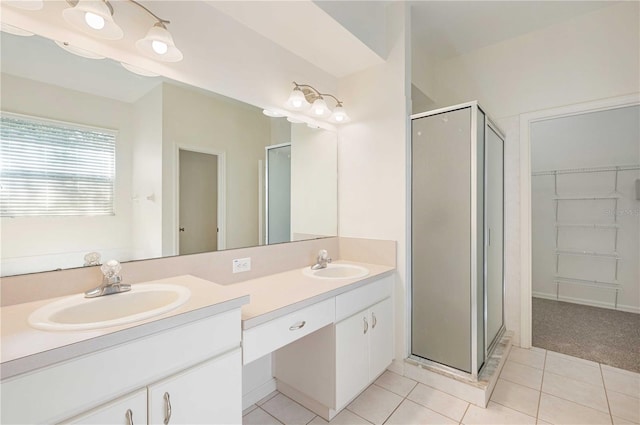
(111, 268)
(323, 254)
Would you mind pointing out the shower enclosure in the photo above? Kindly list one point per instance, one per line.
(457, 237)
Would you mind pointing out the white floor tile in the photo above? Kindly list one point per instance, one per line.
(624, 382)
(522, 374)
(572, 358)
(396, 383)
(517, 397)
(573, 369)
(345, 417)
(438, 401)
(559, 411)
(495, 414)
(541, 422)
(249, 409)
(375, 404)
(624, 406)
(410, 413)
(620, 421)
(259, 417)
(267, 398)
(533, 358)
(576, 391)
(287, 411)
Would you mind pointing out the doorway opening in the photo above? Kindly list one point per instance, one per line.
(278, 194)
(585, 234)
(200, 201)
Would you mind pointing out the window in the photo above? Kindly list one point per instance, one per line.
(50, 168)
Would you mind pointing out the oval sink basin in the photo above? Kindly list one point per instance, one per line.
(79, 313)
(337, 271)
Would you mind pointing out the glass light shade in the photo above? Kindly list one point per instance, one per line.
(10, 29)
(158, 44)
(319, 109)
(297, 101)
(138, 70)
(93, 17)
(339, 115)
(78, 51)
(26, 4)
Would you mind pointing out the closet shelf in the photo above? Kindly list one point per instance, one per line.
(588, 253)
(587, 198)
(595, 225)
(585, 282)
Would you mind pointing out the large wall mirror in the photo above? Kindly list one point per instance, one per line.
(177, 170)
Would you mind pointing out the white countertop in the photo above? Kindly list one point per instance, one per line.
(25, 348)
(279, 294)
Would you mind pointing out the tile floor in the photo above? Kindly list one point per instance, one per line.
(535, 387)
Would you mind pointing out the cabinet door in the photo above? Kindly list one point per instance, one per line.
(209, 393)
(352, 357)
(128, 410)
(380, 337)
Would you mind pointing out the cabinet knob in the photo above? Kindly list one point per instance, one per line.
(374, 320)
(366, 324)
(167, 408)
(129, 416)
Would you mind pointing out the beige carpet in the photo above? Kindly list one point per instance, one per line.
(599, 334)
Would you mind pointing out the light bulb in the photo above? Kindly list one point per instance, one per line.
(159, 47)
(339, 115)
(94, 21)
(297, 100)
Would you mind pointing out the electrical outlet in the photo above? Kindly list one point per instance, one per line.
(241, 265)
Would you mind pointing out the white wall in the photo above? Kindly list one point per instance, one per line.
(146, 175)
(193, 119)
(592, 56)
(596, 139)
(314, 182)
(61, 242)
(372, 155)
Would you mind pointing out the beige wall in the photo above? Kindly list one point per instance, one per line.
(213, 123)
(61, 242)
(372, 155)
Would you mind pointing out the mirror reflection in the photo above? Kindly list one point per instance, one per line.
(186, 170)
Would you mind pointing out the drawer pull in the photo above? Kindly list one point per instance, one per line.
(366, 325)
(167, 408)
(375, 320)
(297, 326)
(129, 416)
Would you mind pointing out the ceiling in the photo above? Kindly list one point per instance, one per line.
(450, 28)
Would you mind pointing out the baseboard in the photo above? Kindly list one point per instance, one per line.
(257, 394)
(582, 301)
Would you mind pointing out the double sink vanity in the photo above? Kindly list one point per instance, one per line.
(172, 350)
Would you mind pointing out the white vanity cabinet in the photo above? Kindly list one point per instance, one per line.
(198, 364)
(364, 349)
(327, 369)
(205, 394)
(128, 410)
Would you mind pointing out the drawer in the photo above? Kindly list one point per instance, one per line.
(268, 337)
(351, 302)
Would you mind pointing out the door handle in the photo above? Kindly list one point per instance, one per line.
(181, 229)
(374, 320)
(366, 325)
(129, 416)
(167, 408)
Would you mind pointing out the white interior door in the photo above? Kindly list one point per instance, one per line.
(198, 197)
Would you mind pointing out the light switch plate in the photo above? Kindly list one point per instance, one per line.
(241, 265)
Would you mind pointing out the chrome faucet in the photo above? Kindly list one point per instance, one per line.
(111, 281)
(322, 260)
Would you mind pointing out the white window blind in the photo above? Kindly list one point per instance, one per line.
(55, 169)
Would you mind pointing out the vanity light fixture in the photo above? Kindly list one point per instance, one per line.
(306, 98)
(95, 17)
